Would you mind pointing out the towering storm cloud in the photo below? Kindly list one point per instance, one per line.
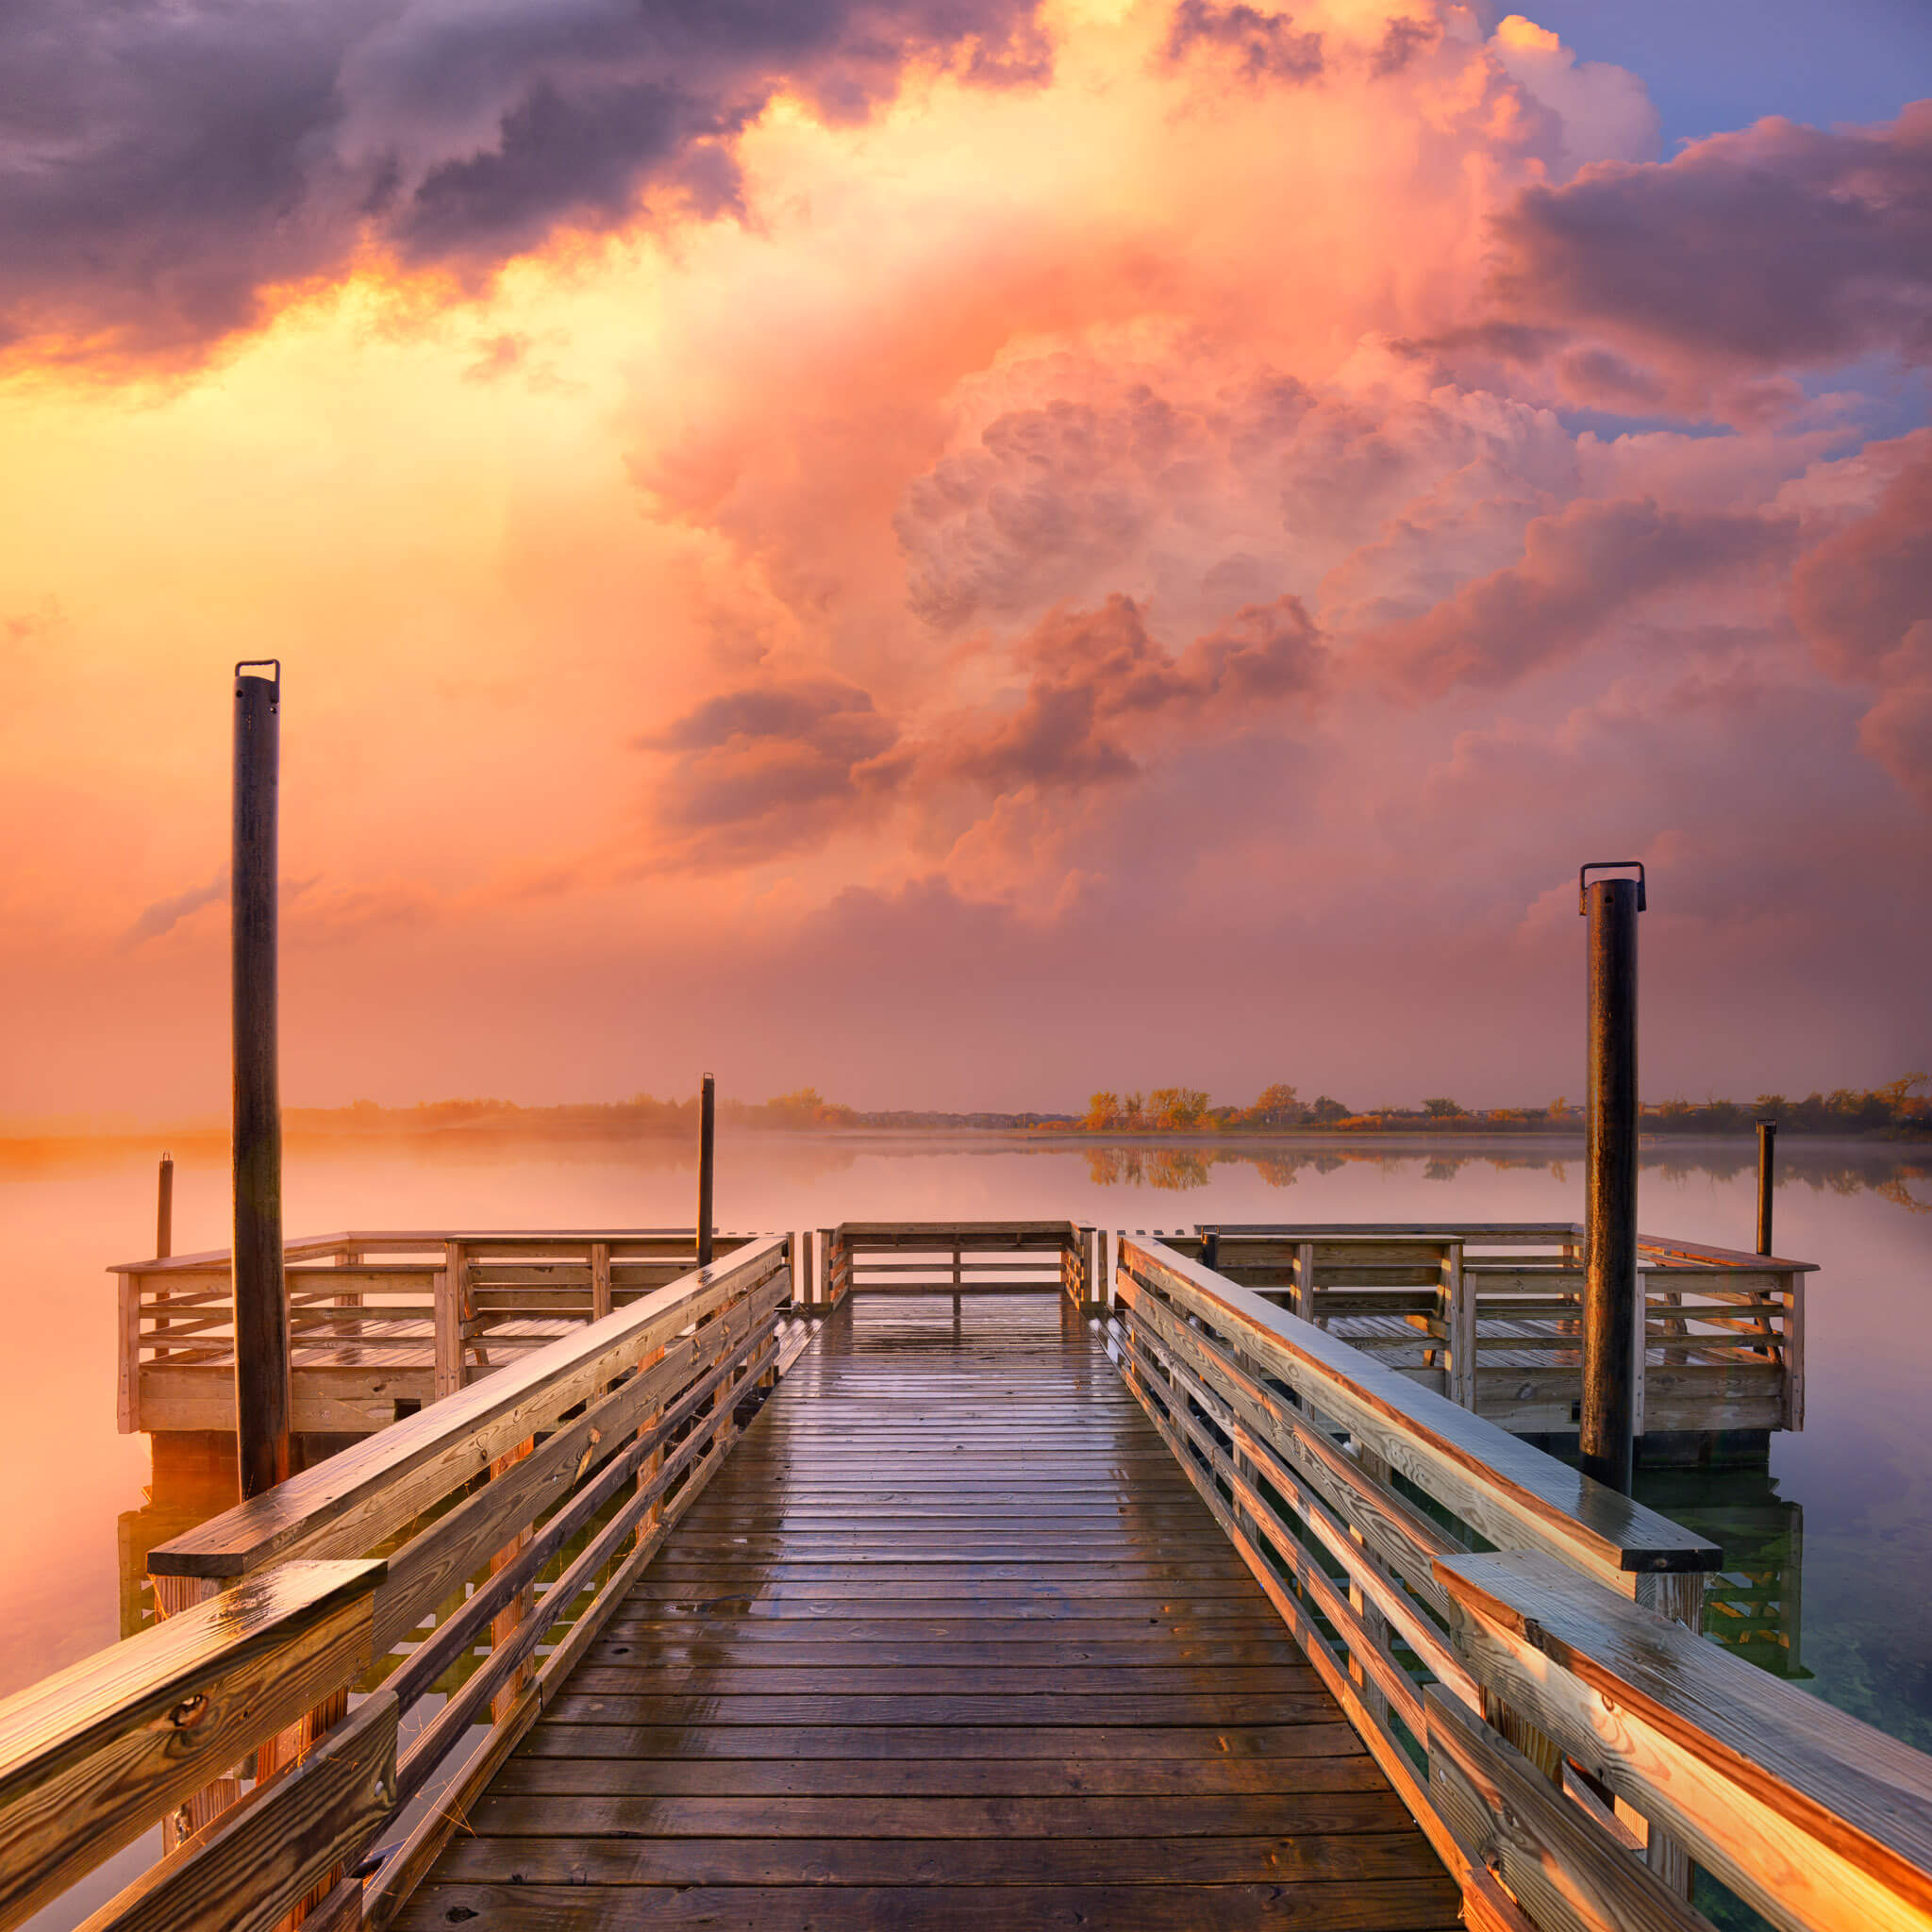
(164, 164)
(901, 537)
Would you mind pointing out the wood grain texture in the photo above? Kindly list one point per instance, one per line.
(949, 1640)
(93, 1756)
(387, 1480)
(1512, 1821)
(242, 1873)
(1818, 1821)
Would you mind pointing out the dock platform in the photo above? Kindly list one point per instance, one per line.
(926, 1576)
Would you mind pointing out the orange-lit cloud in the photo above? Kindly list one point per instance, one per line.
(908, 546)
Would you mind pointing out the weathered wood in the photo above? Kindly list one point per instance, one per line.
(1511, 1493)
(976, 1786)
(389, 1479)
(90, 1757)
(1818, 1821)
(1568, 1874)
(242, 1873)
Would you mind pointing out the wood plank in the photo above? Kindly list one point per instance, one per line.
(243, 1872)
(1818, 1821)
(94, 1755)
(1569, 1875)
(387, 1480)
(1509, 1492)
(1387, 1906)
(948, 1613)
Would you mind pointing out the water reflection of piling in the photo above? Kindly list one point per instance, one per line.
(1754, 1603)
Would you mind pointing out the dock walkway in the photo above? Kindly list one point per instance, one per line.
(950, 1640)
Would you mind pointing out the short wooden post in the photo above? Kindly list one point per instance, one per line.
(707, 1130)
(449, 1320)
(1611, 1316)
(508, 1620)
(1458, 1295)
(164, 1209)
(600, 1280)
(261, 1310)
(1767, 1153)
(1305, 1280)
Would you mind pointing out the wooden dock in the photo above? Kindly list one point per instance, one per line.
(1486, 1313)
(951, 1641)
(874, 1579)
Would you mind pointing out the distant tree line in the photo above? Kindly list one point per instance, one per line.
(1897, 1106)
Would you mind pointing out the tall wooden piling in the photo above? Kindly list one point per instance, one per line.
(707, 1138)
(164, 1208)
(1767, 1156)
(1611, 1314)
(261, 1316)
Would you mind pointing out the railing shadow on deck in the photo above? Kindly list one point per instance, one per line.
(1508, 1638)
(315, 1627)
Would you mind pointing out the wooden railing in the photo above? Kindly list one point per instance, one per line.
(380, 1321)
(1490, 1315)
(442, 1574)
(965, 1257)
(1509, 1639)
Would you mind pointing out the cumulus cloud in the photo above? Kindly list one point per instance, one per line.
(1777, 246)
(165, 162)
(1579, 569)
(1863, 599)
(1262, 45)
(1092, 674)
(1604, 111)
(765, 769)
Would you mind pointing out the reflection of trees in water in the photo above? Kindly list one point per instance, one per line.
(1903, 1178)
(1176, 1169)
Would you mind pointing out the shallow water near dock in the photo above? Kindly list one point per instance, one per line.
(1829, 1554)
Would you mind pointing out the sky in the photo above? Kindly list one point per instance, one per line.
(966, 551)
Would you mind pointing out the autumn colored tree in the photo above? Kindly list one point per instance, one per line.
(1102, 1111)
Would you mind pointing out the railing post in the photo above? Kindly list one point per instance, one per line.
(508, 1620)
(1766, 1152)
(261, 1311)
(708, 1129)
(449, 1320)
(1458, 1291)
(1612, 1317)
(600, 1280)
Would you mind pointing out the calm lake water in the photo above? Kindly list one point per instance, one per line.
(1846, 1508)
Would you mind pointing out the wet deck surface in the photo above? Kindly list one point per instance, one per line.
(949, 1641)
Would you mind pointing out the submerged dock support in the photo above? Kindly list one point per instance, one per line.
(708, 1143)
(1767, 1156)
(261, 1315)
(1612, 1318)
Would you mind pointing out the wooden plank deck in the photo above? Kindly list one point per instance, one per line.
(949, 1641)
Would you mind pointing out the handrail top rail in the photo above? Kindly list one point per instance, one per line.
(104, 1694)
(253, 1532)
(1604, 1529)
(1822, 1768)
(1501, 1233)
(391, 1239)
(876, 1230)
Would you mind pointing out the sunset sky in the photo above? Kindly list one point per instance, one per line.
(965, 552)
